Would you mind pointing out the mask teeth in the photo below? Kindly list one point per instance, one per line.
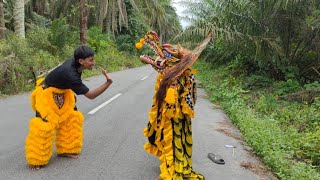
(162, 63)
(152, 47)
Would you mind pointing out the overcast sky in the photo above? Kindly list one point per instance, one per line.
(179, 10)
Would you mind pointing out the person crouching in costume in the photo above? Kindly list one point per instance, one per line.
(169, 130)
(54, 102)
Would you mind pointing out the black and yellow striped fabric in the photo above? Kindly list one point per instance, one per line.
(170, 132)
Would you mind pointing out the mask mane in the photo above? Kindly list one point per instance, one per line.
(171, 61)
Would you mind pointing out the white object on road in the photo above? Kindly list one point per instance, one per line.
(231, 146)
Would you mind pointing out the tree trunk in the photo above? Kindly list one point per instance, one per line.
(83, 21)
(2, 24)
(103, 9)
(18, 16)
(52, 7)
(39, 6)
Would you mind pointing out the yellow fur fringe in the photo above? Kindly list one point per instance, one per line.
(171, 95)
(39, 81)
(164, 129)
(66, 121)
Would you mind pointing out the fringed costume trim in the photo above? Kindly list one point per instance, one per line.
(55, 109)
(70, 135)
(170, 133)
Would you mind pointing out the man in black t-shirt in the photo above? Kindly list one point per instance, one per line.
(53, 100)
(67, 76)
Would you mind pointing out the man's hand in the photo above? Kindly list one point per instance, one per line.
(104, 72)
(92, 94)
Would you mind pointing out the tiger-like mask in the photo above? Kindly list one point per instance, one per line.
(167, 54)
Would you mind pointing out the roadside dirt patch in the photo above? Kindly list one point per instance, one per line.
(202, 96)
(229, 133)
(225, 124)
(228, 129)
(216, 106)
(258, 169)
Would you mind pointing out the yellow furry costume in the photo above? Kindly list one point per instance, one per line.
(56, 116)
(173, 133)
(169, 130)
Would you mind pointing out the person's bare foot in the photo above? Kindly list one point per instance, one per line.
(34, 167)
(72, 156)
(158, 178)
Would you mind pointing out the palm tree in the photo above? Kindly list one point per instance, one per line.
(39, 6)
(163, 18)
(103, 9)
(83, 21)
(18, 16)
(112, 15)
(277, 36)
(2, 23)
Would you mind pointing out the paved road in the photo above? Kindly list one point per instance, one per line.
(113, 136)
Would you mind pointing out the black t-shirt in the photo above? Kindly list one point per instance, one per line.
(67, 76)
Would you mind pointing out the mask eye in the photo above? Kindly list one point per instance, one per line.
(167, 55)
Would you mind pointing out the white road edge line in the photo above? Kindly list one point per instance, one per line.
(144, 78)
(103, 104)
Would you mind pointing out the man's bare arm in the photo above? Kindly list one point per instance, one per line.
(92, 94)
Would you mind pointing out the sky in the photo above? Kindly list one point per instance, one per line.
(179, 10)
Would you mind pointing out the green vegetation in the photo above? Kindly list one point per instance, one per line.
(263, 67)
(34, 37)
(284, 134)
(20, 57)
(276, 38)
(264, 70)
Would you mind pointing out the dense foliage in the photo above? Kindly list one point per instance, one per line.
(263, 68)
(20, 58)
(276, 38)
(114, 27)
(284, 134)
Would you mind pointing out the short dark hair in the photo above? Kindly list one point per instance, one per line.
(82, 52)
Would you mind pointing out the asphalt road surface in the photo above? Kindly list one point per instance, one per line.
(113, 136)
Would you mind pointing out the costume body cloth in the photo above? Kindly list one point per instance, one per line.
(169, 129)
(57, 118)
